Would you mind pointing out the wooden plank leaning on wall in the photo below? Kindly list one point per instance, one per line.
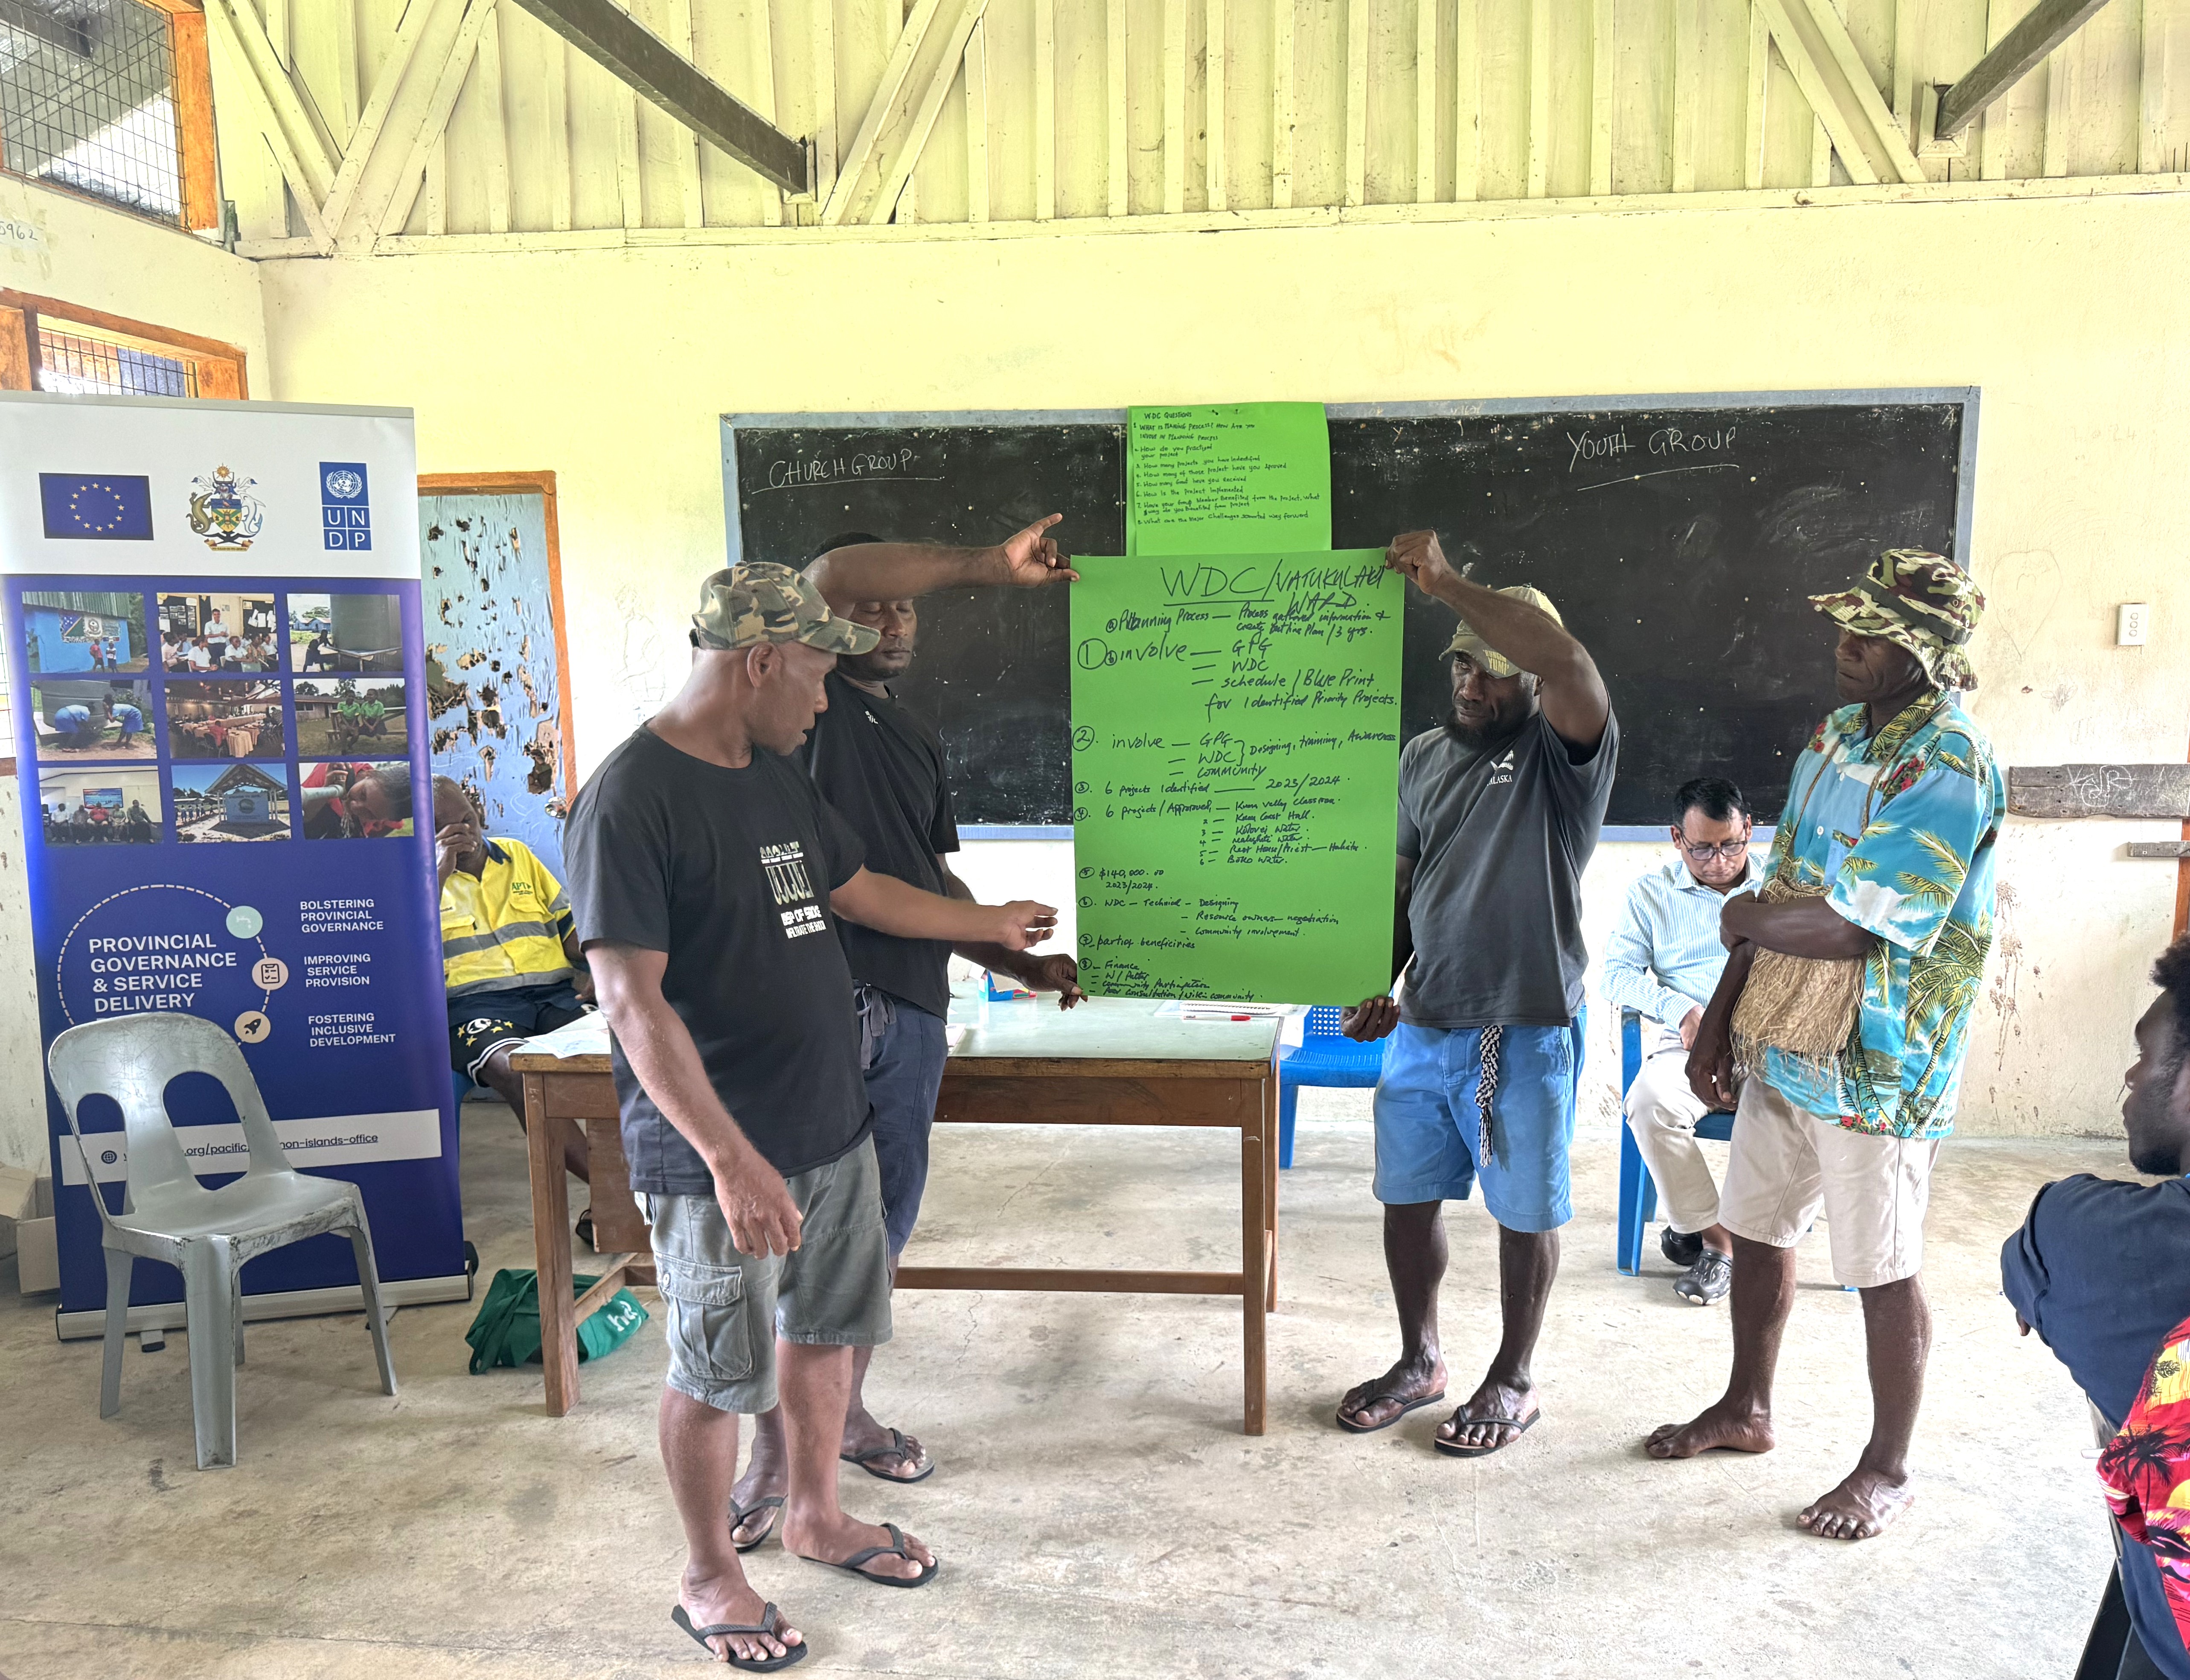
(218, 367)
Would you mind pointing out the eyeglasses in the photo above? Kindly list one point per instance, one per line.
(1728, 849)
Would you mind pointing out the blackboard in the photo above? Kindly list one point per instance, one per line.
(991, 673)
(1680, 537)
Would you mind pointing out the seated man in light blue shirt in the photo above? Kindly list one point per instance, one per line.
(1664, 961)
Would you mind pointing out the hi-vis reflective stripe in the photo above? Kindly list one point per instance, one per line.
(508, 934)
(338, 1140)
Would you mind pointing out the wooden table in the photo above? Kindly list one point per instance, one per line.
(1110, 1062)
(563, 1093)
(1115, 1062)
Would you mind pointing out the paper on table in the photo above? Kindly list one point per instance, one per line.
(1227, 479)
(587, 1036)
(1236, 774)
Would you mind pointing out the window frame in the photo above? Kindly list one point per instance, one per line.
(199, 156)
(221, 369)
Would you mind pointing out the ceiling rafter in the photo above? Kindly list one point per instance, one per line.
(668, 80)
(1828, 70)
(434, 121)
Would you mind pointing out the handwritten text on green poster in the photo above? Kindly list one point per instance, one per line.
(1229, 478)
(1235, 737)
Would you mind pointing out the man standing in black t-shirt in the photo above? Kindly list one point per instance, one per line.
(882, 768)
(706, 874)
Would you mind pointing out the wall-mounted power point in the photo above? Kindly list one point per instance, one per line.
(2132, 624)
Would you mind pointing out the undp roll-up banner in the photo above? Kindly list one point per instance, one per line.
(218, 677)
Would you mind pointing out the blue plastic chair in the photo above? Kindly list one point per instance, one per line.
(1638, 1195)
(1324, 1056)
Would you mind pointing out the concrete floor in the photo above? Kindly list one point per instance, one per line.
(1097, 1509)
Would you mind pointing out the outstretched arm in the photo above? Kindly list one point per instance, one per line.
(896, 571)
(1056, 972)
(889, 906)
(1571, 692)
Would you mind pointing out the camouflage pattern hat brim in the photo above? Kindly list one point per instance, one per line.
(1465, 640)
(763, 602)
(1918, 600)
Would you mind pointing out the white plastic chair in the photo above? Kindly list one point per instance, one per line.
(207, 1235)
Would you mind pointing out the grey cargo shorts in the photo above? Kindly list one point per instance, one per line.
(725, 1309)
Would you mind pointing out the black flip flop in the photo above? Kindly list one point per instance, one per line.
(896, 1449)
(1371, 1399)
(896, 1548)
(739, 1513)
(1519, 1425)
(767, 1624)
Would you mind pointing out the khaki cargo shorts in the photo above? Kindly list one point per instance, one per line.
(725, 1309)
(1788, 1163)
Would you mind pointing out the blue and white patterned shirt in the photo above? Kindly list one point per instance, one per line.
(1899, 829)
(1664, 957)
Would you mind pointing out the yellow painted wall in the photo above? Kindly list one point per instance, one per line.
(55, 245)
(611, 367)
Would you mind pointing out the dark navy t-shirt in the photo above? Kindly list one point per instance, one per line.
(2101, 1270)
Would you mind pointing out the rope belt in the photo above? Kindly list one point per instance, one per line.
(1486, 1091)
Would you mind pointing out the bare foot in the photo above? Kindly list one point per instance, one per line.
(1718, 1426)
(897, 1456)
(1406, 1381)
(1859, 1508)
(832, 1541)
(765, 1478)
(1477, 1424)
(712, 1600)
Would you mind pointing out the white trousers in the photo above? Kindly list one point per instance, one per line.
(1662, 1113)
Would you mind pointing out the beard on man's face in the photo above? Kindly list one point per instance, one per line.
(1495, 727)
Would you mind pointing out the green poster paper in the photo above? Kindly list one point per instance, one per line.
(1227, 479)
(1236, 762)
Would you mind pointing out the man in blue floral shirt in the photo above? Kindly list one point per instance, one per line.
(1884, 856)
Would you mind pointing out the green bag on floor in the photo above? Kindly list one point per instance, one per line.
(506, 1331)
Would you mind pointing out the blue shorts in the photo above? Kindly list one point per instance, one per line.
(906, 1054)
(1426, 1124)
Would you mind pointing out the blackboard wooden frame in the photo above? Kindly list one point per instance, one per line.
(1966, 397)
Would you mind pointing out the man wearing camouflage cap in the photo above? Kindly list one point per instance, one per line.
(1499, 808)
(705, 874)
(1882, 865)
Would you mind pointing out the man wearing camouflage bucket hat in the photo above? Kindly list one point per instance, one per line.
(1854, 971)
(706, 875)
(883, 767)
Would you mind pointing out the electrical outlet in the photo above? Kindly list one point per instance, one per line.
(2132, 624)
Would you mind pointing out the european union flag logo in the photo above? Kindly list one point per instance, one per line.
(345, 505)
(110, 507)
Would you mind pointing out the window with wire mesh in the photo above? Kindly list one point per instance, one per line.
(81, 362)
(87, 101)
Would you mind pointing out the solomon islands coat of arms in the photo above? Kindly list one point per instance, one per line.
(223, 509)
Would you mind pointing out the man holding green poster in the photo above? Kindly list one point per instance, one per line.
(1499, 808)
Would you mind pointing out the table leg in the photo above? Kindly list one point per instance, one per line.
(1254, 1263)
(551, 1248)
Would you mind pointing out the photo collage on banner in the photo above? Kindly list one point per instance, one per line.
(213, 626)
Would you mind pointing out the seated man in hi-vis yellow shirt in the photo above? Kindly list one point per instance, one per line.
(513, 966)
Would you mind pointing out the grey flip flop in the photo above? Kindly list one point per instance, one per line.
(1519, 1425)
(739, 1513)
(895, 1449)
(896, 1548)
(1406, 1406)
(767, 1624)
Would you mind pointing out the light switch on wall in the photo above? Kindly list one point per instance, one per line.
(2132, 621)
